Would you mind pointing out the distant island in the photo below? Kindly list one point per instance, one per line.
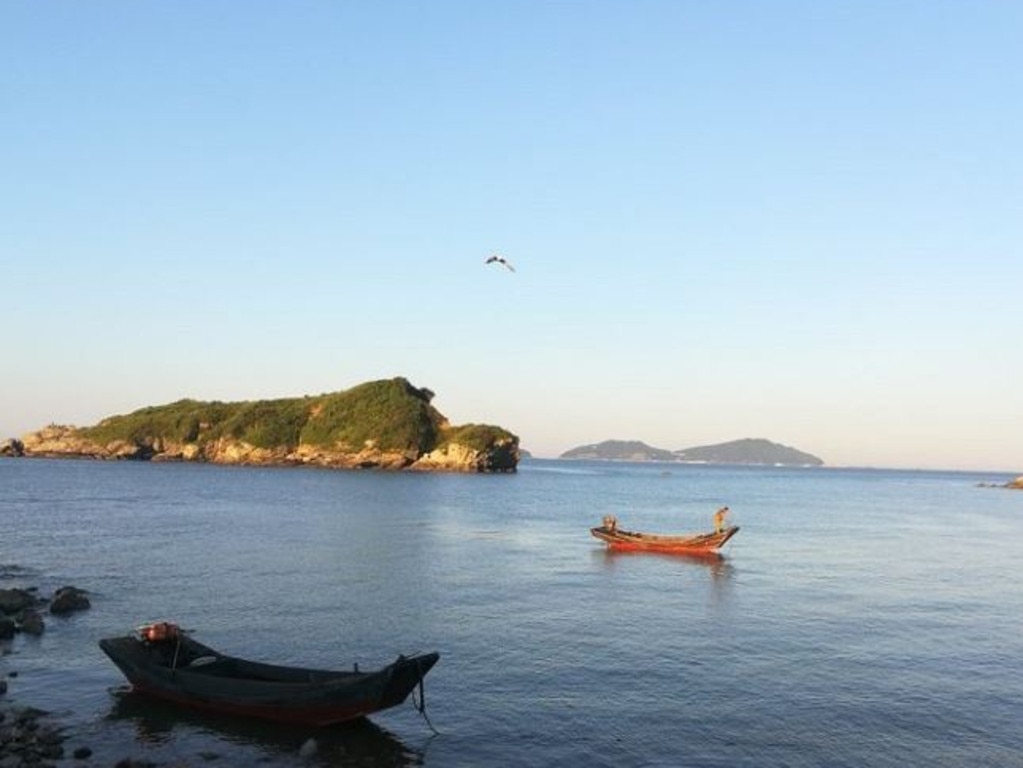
(619, 450)
(745, 451)
(387, 424)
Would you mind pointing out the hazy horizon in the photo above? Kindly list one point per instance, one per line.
(559, 454)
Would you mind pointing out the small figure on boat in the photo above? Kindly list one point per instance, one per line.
(610, 523)
(719, 519)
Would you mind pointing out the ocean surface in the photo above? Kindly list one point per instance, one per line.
(859, 618)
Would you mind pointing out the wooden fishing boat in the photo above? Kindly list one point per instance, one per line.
(630, 541)
(163, 661)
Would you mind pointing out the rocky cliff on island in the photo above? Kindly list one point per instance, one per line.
(387, 424)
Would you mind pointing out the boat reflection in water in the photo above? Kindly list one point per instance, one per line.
(209, 735)
(716, 564)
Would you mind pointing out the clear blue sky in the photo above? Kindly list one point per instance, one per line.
(793, 220)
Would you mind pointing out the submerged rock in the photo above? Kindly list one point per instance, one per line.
(69, 599)
(32, 622)
(27, 738)
(13, 601)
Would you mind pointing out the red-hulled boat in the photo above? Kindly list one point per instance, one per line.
(162, 661)
(630, 541)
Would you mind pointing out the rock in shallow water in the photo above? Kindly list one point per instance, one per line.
(69, 599)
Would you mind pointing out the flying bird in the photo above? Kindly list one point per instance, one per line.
(500, 260)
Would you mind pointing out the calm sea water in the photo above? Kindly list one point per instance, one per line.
(860, 618)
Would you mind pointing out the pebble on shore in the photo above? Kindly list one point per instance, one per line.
(27, 738)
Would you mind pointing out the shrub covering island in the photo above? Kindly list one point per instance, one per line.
(387, 424)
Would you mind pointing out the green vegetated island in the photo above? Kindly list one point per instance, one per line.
(386, 424)
(746, 451)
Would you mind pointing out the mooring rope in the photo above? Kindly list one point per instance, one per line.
(421, 704)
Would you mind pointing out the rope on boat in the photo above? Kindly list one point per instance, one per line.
(174, 662)
(421, 704)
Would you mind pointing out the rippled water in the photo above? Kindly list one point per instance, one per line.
(859, 618)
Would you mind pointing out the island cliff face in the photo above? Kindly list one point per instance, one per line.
(388, 425)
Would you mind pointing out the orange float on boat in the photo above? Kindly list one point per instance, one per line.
(159, 631)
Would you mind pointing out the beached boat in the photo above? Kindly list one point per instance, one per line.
(163, 661)
(699, 543)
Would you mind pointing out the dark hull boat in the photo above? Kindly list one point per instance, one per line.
(695, 544)
(162, 661)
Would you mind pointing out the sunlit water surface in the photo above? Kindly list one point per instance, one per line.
(860, 618)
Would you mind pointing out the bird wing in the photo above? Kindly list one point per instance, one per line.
(499, 260)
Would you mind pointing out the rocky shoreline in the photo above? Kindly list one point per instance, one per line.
(67, 442)
(1014, 485)
(30, 737)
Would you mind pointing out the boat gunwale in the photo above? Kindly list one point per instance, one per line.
(652, 541)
